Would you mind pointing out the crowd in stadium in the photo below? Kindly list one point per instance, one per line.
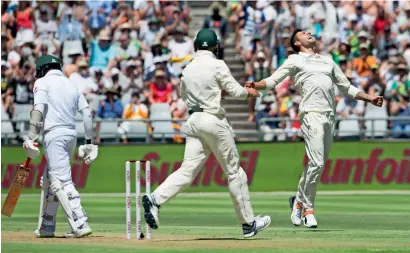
(126, 56)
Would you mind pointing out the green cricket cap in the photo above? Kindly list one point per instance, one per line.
(206, 38)
(47, 60)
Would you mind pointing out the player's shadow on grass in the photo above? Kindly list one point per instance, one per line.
(225, 239)
(70, 238)
(323, 230)
(215, 239)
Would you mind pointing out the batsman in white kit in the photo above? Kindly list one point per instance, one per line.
(208, 131)
(314, 77)
(56, 102)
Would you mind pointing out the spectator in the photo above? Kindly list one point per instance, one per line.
(280, 50)
(160, 63)
(249, 26)
(24, 18)
(128, 29)
(295, 126)
(400, 89)
(4, 46)
(150, 33)
(125, 50)
(303, 14)
(182, 51)
(351, 32)
(348, 107)
(180, 45)
(147, 9)
(175, 20)
(219, 24)
(102, 82)
(179, 112)
(102, 53)
(6, 86)
(135, 110)
(266, 107)
(156, 51)
(363, 64)
(69, 28)
(343, 53)
(22, 84)
(401, 128)
(259, 68)
(125, 15)
(43, 48)
(85, 83)
(132, 81)
(111, 107)
(46, 30)
(98, 12)
(160, 89)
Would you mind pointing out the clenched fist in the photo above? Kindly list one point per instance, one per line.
(377, 101)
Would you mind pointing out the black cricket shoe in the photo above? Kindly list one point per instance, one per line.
(151, 211)
(259, 224)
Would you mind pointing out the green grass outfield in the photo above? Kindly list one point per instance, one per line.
(207, 223)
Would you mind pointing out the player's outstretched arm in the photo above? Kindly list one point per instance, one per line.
(347, 89)
(376, 100)
(285, 70)
(228, 83)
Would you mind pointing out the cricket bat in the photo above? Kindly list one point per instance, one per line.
(16, 188)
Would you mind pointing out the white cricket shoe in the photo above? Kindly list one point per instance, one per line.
(309, 219)
(45, 232)
(296, 211)
(259, 224)
(151, 211)
(83, 231)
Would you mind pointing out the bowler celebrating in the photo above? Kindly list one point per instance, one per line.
(314, 76)
(56, 102)
(203, 82)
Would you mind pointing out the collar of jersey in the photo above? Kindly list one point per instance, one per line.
(55, 72)
(205, 52)
(309, 55)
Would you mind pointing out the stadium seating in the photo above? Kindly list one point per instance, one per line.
(137, 130)
(380, 126)
(349, 127)
(108, 130)
(162, 129)
(7, 130)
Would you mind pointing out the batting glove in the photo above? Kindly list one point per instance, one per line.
(31, 148)
(89, 152)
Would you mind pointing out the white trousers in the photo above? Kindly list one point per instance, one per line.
(317, 129)
(59, 145)
(208, 133)
(58, 150)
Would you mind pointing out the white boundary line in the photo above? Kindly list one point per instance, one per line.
(225, 194)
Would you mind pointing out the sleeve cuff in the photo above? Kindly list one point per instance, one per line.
(244, 94)
(352, 91)
(269, 83)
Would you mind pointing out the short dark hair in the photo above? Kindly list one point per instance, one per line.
(135, 94)
(293, 40)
